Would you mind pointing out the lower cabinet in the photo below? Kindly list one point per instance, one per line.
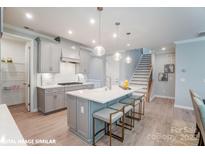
(78, 113)
(50, 99)
(54, 101)
(82, 117)
(72, 115)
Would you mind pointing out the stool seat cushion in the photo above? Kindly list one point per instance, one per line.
(137, 95)
(104, 115)
(119, 106)
(127, 101)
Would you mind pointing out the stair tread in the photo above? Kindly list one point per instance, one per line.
(139, 79)
(139, 83)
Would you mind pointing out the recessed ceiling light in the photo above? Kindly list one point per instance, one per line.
(163, 48)
(93, 41)
(114, 35)
(73, 47)
(128, 44)
(92, 21)
(70, 32)
(28, 16)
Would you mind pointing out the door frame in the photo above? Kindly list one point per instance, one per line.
(32, 74)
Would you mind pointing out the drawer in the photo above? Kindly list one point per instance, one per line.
(54, 101)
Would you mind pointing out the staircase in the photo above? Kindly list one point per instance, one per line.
(142, 75)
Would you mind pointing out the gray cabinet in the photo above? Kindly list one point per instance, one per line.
(48, 56)
(82, 117)
(78, 115)
(72, 115)
(51, 99)
(84, 62)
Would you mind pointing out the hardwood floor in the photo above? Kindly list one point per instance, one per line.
(162, 125)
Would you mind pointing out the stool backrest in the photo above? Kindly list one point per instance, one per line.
(196, 98)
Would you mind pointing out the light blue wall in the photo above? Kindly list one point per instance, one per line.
(163, 88)
(190, 71)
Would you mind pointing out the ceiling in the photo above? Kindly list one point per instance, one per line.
(150, 27)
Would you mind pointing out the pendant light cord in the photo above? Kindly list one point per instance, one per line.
(99, 39)
(118, 36)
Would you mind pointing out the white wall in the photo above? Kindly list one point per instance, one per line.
(190, 72)
(67, 74)
(13, 48)
(96, 72)
(163, 88)
(120, 70)
(113, 69)
(13, 75)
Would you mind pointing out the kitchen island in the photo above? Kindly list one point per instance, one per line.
(83, 103)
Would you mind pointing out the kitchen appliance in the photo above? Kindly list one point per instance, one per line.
(69, 83)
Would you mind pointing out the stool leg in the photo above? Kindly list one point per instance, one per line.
(110, 130)
(94, 131)
(143, 106)
(196, 131)
(123, 124)
(140, 109)
(199, 143)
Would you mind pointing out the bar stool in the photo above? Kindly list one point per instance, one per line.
(109, 116)
(133, 101)
(139, 98)
(127, 109)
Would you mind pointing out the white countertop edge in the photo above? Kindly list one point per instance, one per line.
(73, 93)
(62, 86)
(9, 129)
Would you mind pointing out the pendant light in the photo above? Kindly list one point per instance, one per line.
(99, 50)
(128, 59)
(128, 38)
(117, 56)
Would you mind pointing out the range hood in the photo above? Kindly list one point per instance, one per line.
(70, 56)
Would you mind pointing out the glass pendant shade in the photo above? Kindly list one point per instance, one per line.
(99, 50)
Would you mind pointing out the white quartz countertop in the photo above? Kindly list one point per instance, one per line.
(101, 95)
(9, 132)
(61, 86)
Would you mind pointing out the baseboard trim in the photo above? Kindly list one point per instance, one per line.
(160, 96)
(183, 107)
(34, 110)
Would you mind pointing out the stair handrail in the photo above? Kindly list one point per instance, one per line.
(149, 84)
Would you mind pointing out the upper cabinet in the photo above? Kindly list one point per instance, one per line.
(48, 56)
(84, 61)
(1, 21)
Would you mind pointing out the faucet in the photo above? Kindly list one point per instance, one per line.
(108, 82)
